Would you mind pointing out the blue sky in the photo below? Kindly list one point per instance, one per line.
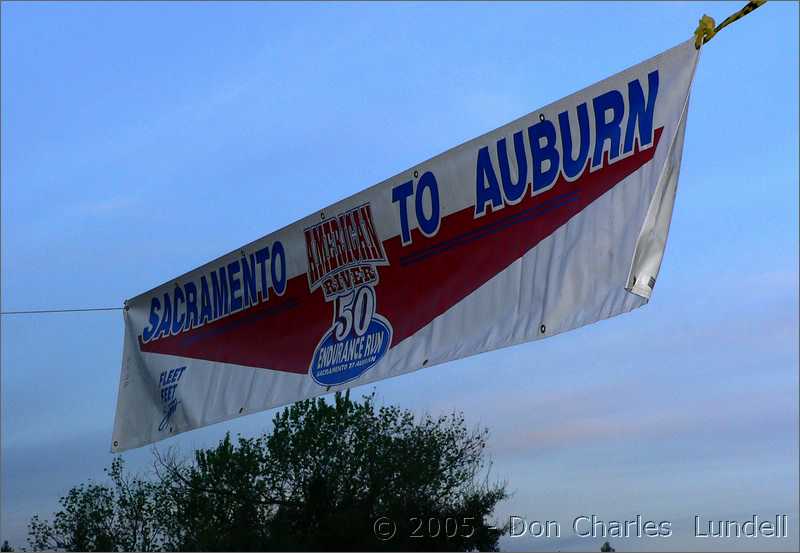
(142, 140)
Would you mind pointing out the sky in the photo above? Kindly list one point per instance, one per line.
(142, 140)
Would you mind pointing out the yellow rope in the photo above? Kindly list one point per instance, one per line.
(706, 30)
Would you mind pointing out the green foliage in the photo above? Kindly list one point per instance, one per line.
(99, 517)
(320, 480)
(221, 501)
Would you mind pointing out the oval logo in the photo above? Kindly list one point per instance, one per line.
(338, 361)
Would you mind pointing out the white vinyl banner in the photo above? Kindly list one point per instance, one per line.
(553, 221)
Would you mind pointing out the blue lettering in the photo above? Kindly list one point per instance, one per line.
(262, 256)
(155, 307)
(219, 289)
(513, 190)
(607, 130)
(573, 167)
(191, 305)
(543, 179)
(177, 324)
(278, 276)
(249, 280)
(205, 301)
(400, 195)
(639, 114)
(485, 172)
(235, 285)
(166, 319)
(427, 225)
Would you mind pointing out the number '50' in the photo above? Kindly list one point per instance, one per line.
(354, 312)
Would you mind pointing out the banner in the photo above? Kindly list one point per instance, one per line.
(553, 221)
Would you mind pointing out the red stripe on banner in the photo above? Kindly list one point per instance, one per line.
(423, 280)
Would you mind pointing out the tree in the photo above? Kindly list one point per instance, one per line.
(6, 547)
(330, 476)
(606, 548)
(122, 516)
